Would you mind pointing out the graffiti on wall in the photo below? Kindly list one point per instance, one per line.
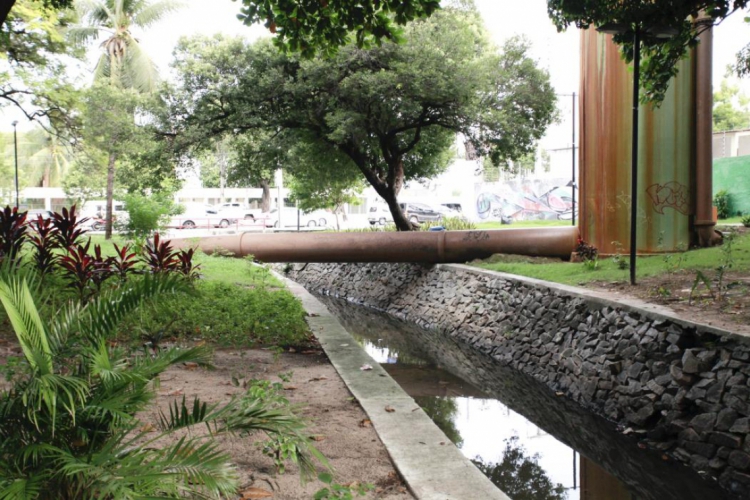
(670, 195)
(538, 199)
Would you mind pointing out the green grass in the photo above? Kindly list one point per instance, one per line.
(730, 220)
(523, 223)
(235, 303)
(607, 269)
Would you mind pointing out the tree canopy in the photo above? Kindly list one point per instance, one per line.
(393, 111)
(731, 108)
(660, 57)
(309, 26)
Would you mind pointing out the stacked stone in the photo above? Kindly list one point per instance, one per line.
(681, 388)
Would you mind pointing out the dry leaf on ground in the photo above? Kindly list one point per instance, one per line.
(390, 409)
(253, 493)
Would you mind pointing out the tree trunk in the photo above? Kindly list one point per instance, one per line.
(5, 10)
(265, 199)
(399, 218)
(110, 196)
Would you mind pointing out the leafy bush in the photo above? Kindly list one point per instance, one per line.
(227, 314)
(746, 220)
(69, 428)
(12, 232)
(722, 202)
(68, 227)
(147, 214)
(586, 252)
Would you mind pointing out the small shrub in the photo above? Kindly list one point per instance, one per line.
(78, 268)
(722, 201)
(12, 232)
(43, 240)
(185, 265)
(147, 214)
(68, 227)
(159, 256)
(124, 262)
(585, 251)
(746, 220)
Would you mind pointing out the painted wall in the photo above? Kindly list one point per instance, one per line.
(664, 156)
(733, 174)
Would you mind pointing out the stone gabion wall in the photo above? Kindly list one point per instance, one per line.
(681, 389)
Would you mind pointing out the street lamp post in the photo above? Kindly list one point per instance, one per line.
(15, 154)
(661, 33)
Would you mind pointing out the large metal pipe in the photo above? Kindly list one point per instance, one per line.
(703, 222)
(428, 247)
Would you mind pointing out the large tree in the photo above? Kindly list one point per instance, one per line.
(392, 110)
(660, 56)
(731, 108)
(311, 26)
(32, 76)
(123, 65)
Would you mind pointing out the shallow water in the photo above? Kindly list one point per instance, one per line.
(530, 442)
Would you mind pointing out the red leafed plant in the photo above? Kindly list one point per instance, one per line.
(78, 268)
(185, 264)
(68, 227)
(12, 232)
(159, 256)
(586, 251)
(102, 268)
(124, 262)
(42, 238)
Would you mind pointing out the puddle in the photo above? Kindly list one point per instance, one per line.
(531, 443)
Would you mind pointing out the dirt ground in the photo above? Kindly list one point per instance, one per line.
(340, 427)
(730, 311)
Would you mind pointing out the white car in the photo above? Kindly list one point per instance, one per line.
(235, 210)
(379, 214)
(316, 218)
(197, 217)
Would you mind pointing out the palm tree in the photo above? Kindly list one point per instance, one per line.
(69, 426)
(123, 63)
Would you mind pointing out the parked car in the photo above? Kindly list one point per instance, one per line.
(201, 216)
(379, 214)
(316, 218)
(235, 210)
(420, 213)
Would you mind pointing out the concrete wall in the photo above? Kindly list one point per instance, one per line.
(680, 388)
(733, 175)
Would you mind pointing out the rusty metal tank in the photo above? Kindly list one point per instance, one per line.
(665, 155)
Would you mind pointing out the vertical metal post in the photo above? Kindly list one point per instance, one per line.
(573, 155)
(15, 153)
(575, 473)
(634, 159)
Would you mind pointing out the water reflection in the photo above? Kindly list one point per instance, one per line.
(514, 426)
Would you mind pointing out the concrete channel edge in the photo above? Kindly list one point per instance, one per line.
(433, 468)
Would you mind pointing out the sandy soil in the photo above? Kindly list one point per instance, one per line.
(341, 429)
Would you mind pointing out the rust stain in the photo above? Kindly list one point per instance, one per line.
(665, 154)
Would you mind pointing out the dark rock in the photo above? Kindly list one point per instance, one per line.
(726, 419)
(704, 449)
(717, 464)
(689, 435)
(739, 460)
(741, 426)
(679, 376)
(635, 369)
(690, 363)
(703, 422)
(724, 439)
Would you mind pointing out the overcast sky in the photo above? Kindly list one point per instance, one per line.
(557, 52)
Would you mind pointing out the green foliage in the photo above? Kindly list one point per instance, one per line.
(337, 491)
(722, 202)
(659, 56)
(451, 224)
(226, 314)
(442, 411)
(520, 476)
(617, 258)
(731, 108)
(309, 26)
(147, 214)
(33, 78)
(745, 220)
(390, 112)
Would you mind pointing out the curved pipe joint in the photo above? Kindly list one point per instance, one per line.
(428, 247)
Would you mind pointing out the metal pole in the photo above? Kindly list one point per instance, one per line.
(15, 153)
(634, 152)
(573, 155)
